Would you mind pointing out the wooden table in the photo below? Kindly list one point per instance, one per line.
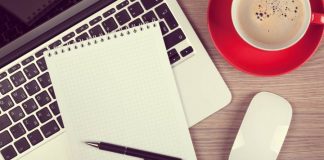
(304, 88)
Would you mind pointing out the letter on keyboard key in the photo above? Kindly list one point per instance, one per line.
(4, 122)
(14, 68)
(122, 17)
(96, 31)
(44, 80)
(82, 28)
(51, 91)
(54, 107)
(43, 98)
(186, 51)
(35, 137)
(29, 106)
(55, 44)
(135, 9)
(17, 130)
(173, 56)
(41, 64)
(50, 128)
(19, 95)
(95, 21)
(5, 86)
(109, 12)
(122, 4)
(44, 115)
(31, 122)
(109, 24)
(22, 145)
(32, 87)
(149, 17)
(84, 36)
(31, 71)
(148, 4)
(136, 22)
(27, 60)
(164, 12)
(5, 138)
(174, 38)
(18, 78)
(8, 153)
(6, 103)
(164, 28)
(16, 114)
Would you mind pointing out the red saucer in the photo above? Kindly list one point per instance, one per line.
(252, 60)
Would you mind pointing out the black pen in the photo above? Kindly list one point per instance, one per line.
(130, 151)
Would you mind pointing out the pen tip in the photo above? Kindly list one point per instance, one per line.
(93, 144)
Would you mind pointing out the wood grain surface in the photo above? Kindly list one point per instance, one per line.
(303, 88)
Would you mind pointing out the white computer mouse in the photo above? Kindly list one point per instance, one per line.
(264, 128)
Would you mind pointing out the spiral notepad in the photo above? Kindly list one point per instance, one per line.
(120, 89)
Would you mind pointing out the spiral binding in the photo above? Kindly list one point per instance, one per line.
(96, 40)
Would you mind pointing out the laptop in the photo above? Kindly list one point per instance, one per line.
(31, 127)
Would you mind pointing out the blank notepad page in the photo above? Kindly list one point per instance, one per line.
(120, 89)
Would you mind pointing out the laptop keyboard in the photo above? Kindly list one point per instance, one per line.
(29, 113)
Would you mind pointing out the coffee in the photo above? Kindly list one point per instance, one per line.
(271, 22)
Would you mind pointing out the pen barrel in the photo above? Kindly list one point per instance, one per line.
(148, 155)
(112, 148)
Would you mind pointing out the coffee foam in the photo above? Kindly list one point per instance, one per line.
(271, 21)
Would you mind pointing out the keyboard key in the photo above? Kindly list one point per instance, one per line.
(8, 153)
(27, 60)
(31, 122)
(82, 28)
(55, 44)
(96, 31)
(164, 12)
(174, 38)
(149, 17)
(31, 71)
(35, 137)
(54, 108)
(50, 128)
(164, 28)
(44, 80)
(22, 145)
(5, 138)
(68, 43)
(42, 64)
(186, 51)
(95, 21)
(82, 37)
(136, 22)
(51, 91)
(135, 9)
(60, 121)
(3, 75)
(44, 115)
(68, 36)
(19, 95)
(148, 4)
(109, 12)
(29, 106)
(43, 98)
(109, 25)
(122, 17)
(17, 130)
(40, 53)
(16, 114)
(5, 86)
(4, 122)
(6, 103)
(14, 68)
(173, 56)
(18, 78)
(122, 4)
(32, 87)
